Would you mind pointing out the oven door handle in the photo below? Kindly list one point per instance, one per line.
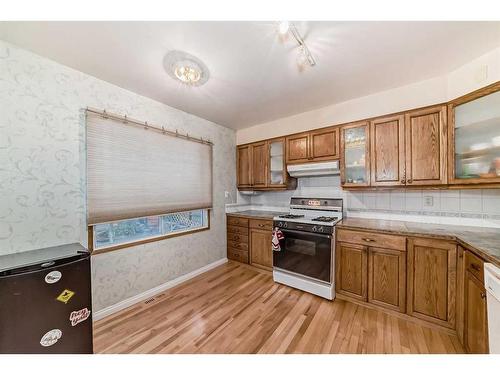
(310, 233)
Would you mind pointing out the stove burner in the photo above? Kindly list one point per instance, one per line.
(290, 216)
(325, 219)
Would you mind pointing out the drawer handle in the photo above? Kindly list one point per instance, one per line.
(262, 225)
(402, 180)
(475, 267)
(410, 181)
(368, 240)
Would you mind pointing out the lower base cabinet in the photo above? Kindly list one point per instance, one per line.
(261, 252)
(432, 268)
(475, 312)
(351, 275)
(387, 278)
(371, 274)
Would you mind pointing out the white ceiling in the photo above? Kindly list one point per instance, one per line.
(253, 75)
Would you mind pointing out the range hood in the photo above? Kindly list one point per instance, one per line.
(314, 169)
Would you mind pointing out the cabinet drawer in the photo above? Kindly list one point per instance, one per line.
(237, 237)
(237, 230)
(239, 221)
(261, 224)
(237, 245)
(239, 255)
(475, 265)
(385, 241)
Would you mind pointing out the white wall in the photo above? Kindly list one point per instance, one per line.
(476, 74)
(42, 173)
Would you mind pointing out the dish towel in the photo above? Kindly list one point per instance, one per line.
(277, 236)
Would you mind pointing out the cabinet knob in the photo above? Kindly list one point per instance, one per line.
(402, 180)
(483, 295)
(410, 181)
(368, 240)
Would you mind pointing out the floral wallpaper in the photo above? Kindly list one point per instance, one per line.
(42, 173)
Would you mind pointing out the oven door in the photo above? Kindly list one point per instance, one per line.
(304, 253)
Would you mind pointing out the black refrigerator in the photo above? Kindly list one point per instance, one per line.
(45, 301)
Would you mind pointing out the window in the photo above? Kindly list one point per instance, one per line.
(108, 235)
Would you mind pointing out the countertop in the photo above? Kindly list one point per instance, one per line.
(257, 214)
(485, 242)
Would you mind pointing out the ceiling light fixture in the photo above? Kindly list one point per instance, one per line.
(186, 68)
(305, 57)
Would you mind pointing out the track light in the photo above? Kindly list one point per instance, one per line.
(305, 57)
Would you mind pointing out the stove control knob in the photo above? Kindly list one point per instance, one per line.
(315, 228)
(280, 224)
(321, 229)
(285, 224)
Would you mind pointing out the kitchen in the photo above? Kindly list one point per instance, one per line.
(166, 191)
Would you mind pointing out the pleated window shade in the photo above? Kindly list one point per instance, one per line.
(133, 172)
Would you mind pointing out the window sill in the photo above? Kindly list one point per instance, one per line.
(140, 242)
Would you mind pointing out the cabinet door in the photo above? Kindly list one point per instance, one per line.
(261, 252)
(243, 163)
(474, 137)
(426, 146)
(355, 163)
(324, 144)
(297, 148)
(259, 164)
(431, 268)
(387, 151)
(387, 278)
(476, 323)
(277, 169)
(351, 270)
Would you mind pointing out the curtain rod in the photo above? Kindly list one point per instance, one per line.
(127, 120)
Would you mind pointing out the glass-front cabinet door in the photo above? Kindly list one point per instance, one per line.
(475, 127)
(356, 162)
(277, 170)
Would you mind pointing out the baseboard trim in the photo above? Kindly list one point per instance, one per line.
(152, 292)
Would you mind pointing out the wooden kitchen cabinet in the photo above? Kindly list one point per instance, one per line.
(355, 151)
(314, 146)
(261, 252)
(371, 267)
(387, 137)
(297, 148)
(474, 137)
(475, 313)
(431, 293)
(324, 144)
(387, 278)
(259, 166)
(351, 270)
(243, 166)
(237, 238)
(426, 146)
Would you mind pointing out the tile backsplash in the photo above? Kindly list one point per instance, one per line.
(465, 206)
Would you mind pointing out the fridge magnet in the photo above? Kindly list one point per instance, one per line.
(51, 337)
(65, 296)
(79, 316)
(53, 277)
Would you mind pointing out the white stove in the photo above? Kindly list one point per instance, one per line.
(306, 256)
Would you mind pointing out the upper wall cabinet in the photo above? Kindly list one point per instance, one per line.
(261, 166)
(318, 145)
(243, 159)
(474, 129)
(388, 152)
(426, 146)
(355, 160)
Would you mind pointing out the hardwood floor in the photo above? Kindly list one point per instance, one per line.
(237, 309)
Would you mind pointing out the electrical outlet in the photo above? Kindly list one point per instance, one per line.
(428, 200)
